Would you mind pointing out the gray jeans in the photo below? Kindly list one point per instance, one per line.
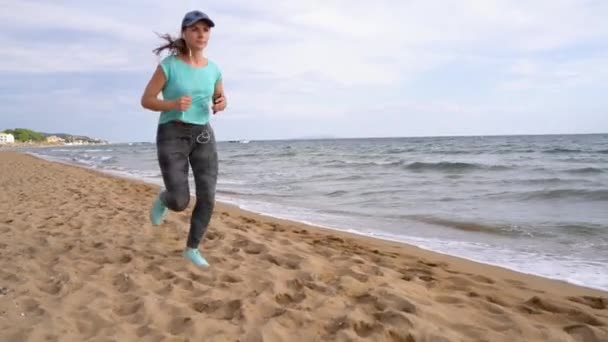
(179, 144)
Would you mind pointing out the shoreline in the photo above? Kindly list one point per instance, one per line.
(345, 230)
(80, 260)
(353, 232)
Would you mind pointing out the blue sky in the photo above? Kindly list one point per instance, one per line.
(317, 68)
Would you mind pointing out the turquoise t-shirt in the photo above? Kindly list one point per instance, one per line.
(184, 79)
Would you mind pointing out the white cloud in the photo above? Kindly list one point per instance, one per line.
(345, 41)
(524, 67)
(69, 58)
(43, 15)
(557, 76)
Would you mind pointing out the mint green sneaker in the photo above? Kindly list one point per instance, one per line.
(158, 211)
(194, 255)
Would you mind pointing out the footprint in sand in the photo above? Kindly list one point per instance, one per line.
(31, 308)
(205, 279)
(10, 277)
(276, 228)
(248, 220)
(296, 297)
(482, 279)
(389, 308)
(149, 333)
(358, 276)
(257, 287)
(337, 324)
(581, 333)
(295, 284)
(397, 303)
(184, 284)
(237, 226)
(432, 264)
(323, 251)
(597, 303)
(371, 270)
(254, 248)
(158, 273)
(496, 300)
(51, 338)
(89, 324)
(395, 336)
(366, 329)
(305, 279)
(492, 308)
(125, 259)
(165, 291)
(180, 325)
(334, 240)
(53, 286)
(474, 333)
(456, 283)
(230, 278)
(288, 261)
(123, 283)
(536, 305)
(219, 309)
(285, 242)
(583, 317)
(234, 253)
(369, 299)
(448, 299)
(424, 274)
(516, 283)
(248, 246)
(213, 235)
(393, 318)
(128, 307)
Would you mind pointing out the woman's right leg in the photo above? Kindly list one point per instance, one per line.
(173, 142)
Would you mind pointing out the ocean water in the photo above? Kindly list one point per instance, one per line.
(535, 204)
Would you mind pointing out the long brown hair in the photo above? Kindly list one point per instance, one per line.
(175, 45)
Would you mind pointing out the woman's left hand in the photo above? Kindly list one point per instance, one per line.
(219, 104)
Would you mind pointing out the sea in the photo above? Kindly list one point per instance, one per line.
(537, 204)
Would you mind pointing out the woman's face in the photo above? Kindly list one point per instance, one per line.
(197, 35)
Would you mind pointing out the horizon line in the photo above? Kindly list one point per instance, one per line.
(381, 137)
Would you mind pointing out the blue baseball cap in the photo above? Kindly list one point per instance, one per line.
(194, 16)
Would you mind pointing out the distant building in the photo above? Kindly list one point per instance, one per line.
(6, 138)
(53, 139)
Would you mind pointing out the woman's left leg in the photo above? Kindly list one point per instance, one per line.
(204, 162)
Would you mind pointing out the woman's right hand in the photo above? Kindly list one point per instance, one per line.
(182, 104)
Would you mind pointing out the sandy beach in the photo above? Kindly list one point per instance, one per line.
(79, 261)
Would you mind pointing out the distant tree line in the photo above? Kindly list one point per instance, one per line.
(23, 134)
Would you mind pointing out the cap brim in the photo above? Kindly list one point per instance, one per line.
(208, 21)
